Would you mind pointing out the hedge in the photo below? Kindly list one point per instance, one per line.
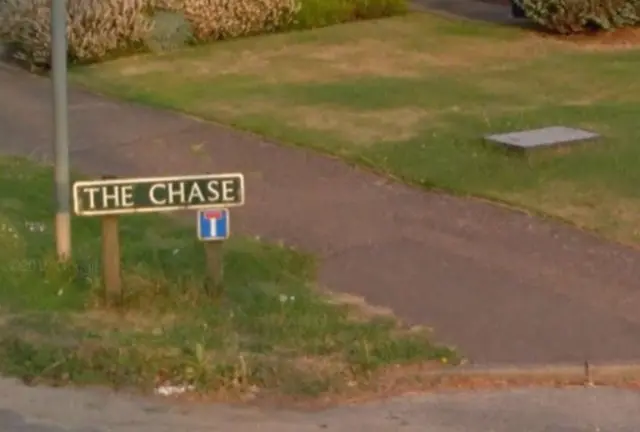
(579, 16)
(95, 28)
(321, 13)
(99, 29)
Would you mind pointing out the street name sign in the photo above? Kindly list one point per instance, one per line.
(157, 194)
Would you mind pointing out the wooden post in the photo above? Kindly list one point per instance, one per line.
(111, 276)
(214, 282)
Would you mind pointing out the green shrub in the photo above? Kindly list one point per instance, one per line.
(372, 9)
(224, 19)
(578, 16)
(322, 13)
(95, 28)
(99, 29)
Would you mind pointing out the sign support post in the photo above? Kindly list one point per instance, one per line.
(215, 269)
(111, 274)
(61, 126)
(213, 229)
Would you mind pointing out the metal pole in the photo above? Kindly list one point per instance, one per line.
(61, 126)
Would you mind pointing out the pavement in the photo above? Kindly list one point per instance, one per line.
(24, 409)
(502, 286)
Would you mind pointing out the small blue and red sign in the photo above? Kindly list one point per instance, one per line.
(213, 224)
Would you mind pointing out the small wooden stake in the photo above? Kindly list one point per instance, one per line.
(214, 282)
(111, 260)
(111, 277)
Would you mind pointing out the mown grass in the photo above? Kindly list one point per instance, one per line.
(272, 332)
(413, 96)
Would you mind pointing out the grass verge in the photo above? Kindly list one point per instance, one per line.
(413, 96)
(272, 333)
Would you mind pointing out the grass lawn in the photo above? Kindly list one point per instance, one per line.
(412, 96)
(272, 333)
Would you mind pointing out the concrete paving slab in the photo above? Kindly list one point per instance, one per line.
(542, 138)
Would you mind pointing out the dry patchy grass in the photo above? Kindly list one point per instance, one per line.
(588, 206)
(409, 48)
(362, 128)
(294, 64)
